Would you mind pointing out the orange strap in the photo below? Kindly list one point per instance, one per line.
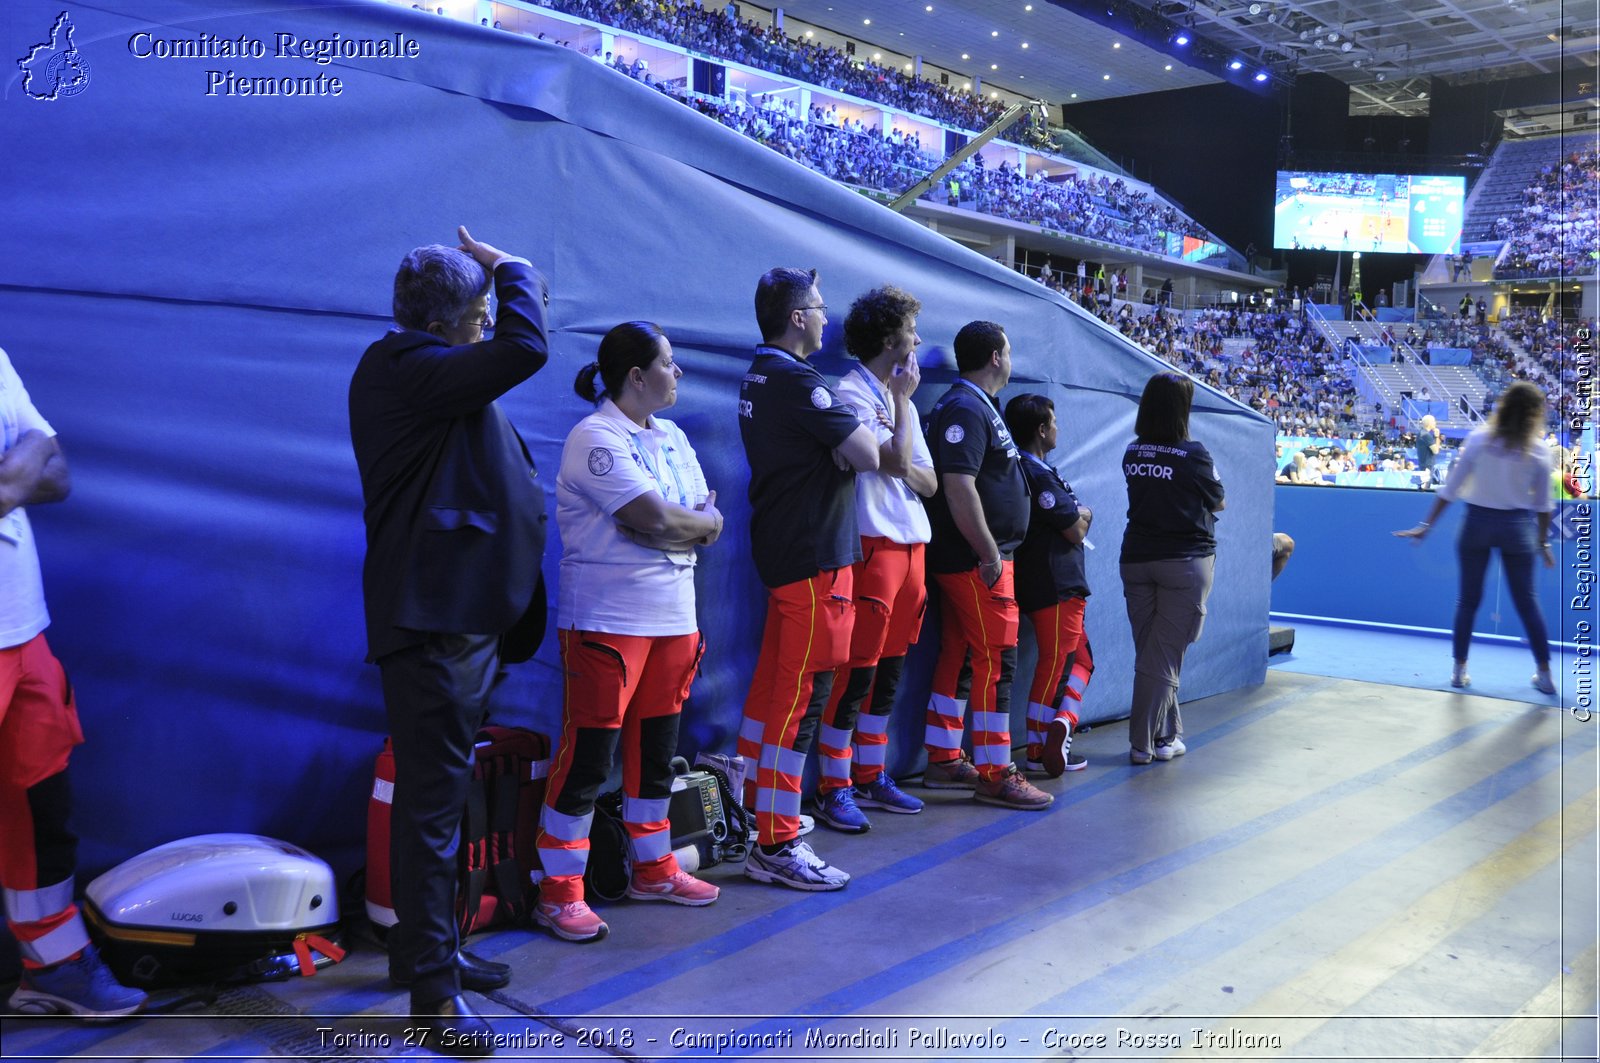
(304, 943)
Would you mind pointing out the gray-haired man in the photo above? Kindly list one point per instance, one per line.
(455, 532)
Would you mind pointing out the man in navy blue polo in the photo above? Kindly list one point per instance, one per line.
(804, 447)
(980, 517)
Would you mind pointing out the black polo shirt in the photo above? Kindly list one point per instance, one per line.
(1049, 569)
(967, 434)
(1172, 490)
(803, 506)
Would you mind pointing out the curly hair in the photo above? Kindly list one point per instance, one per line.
(875, 316)
(1518, 418)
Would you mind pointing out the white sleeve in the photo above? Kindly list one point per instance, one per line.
(16, 396)
(598, 464)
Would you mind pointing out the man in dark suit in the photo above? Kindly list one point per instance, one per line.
(455, 533)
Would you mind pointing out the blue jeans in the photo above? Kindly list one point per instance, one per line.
(1515, 533)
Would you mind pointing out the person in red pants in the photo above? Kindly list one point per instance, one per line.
(1052, 586)
(890, 589)
(804, 447)
(61, 971)
(632, 505)
(979, 517)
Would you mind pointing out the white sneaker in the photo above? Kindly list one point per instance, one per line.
(1173, 747)
(1459, 677)
(1544, 683)
(795, 866)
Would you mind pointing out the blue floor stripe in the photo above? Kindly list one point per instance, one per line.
(909, 972)
(1115, 989)
(801, 910)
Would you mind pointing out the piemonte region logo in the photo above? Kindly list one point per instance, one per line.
(55, 69)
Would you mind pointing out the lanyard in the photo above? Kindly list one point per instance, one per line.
(655, 471)
(988, 401)
(872, 386)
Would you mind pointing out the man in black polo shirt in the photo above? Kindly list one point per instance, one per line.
(804, 447)
(979, 517)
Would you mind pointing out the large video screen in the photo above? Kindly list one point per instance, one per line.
(1368, 212)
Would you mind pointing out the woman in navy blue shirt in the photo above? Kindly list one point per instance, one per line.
(1168, 553)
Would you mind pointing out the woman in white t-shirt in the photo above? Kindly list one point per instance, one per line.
(1503, 475)
(631, 505)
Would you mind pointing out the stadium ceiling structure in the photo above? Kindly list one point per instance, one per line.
(1068, 51)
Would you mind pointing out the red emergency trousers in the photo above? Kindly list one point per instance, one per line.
(630, 687)
(38, 854)
(1058, 630)
(984, 622)
(807, 636)
(891, 597)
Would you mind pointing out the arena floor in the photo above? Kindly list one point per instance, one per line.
(1337, 870)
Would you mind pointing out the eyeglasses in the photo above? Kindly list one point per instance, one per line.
(819, 306)
(485, 326)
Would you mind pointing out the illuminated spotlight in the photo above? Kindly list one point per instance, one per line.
(1356, 63)
(928, 8)
(994, 33)
(1255, 9)
(1346, 46)
(1024, 44)
(1382, 76)
(911, 66)
(967, 87)
(876, 56)
(1235, 65)
(866, 22)
(1027, 7)
(1169, 66)
(1181, 40)
(994, 66)
(1105, 77)
(964, 55)
(1116, 44)
(809, 33)
(1261, 75)
(1333, 38)
(1074, 95)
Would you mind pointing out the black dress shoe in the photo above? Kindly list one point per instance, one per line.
(450, 1026)
(481, 975)
(478, 975)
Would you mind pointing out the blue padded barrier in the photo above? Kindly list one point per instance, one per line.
(1348, 566)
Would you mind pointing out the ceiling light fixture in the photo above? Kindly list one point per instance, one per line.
(1235, 65)
(1116, 44)
(1261, 75)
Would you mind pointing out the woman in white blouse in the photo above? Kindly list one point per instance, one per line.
(1502, 473)
(632, 505)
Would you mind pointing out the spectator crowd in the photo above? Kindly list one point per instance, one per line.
(1557, 231)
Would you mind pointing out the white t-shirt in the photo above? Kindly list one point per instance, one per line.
(22, 611)
(1487, 474)
(885, 505)
(609, 583)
